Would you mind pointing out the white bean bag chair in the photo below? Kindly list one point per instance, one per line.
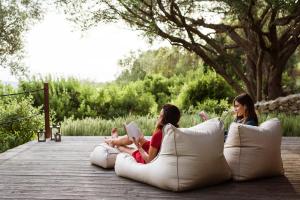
(188, 158)
(104, 156)
(254, 151)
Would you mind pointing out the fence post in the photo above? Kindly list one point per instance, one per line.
(46, 110)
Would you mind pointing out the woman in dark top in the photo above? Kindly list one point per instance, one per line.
(244, 110)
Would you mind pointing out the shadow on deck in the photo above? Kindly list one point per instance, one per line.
(62, 171)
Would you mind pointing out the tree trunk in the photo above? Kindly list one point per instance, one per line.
(274, 82)
(251, 76)
(259, 76)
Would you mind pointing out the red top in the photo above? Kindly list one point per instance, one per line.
(155, 142)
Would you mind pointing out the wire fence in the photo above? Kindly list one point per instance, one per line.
(19, 93)
(45, 108)
(17, 119)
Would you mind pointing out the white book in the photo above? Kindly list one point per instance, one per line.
(133, 131)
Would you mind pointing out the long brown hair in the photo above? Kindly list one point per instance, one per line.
(171, 114)
(245, 100)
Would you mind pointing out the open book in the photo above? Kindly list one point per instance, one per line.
(132, 131)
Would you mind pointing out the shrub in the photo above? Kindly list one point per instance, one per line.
(211, 106)
(206, 86)
(19, 121)
(72, 98)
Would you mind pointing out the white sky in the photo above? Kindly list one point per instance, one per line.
(54, 47)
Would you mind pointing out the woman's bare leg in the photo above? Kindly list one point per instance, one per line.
(126, 149)
(117, 140)
(121, 141)
(124, 140)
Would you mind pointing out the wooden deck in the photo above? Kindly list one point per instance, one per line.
(62, 171)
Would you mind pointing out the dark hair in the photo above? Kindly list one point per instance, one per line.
(245, 100)
(171, 114)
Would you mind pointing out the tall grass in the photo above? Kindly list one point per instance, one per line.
(102, 127)
(289, 122)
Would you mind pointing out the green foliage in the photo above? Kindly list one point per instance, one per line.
(222, 32)
(165, 61)
(19, 121)
(6, 89)
(289, 77)
(159, 87)
(72, 98)
(16, 16)
(289, 122)
(211, 106)
(63, 94)
(207, 86)
(116, 101)
(102, 127)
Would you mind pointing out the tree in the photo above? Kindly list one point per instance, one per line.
(165, 61)
(247, 40)
(15, 18)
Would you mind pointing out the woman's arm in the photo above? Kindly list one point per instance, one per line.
(148, 157)
(203, 116)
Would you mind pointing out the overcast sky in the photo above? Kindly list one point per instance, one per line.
(54, 47)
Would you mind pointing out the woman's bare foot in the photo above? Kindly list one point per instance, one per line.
(114, 135)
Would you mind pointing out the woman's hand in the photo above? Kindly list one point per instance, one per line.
(203, 116)
(137, 144)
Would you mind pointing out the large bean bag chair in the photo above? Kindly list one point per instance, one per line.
(104, 156)
(188, 158)
(254, 151)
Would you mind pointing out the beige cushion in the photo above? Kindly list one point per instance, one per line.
(189, 158)
(254, 152)
(104, 156)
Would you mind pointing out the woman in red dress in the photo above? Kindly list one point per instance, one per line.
(147, 150)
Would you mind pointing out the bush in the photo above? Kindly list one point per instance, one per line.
(159, 87)
(117, 101)
(207, 86)
(72, 98)
(19, 122)
(211, 106)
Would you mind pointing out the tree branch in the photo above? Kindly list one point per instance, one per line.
(203, 55)
(287, 19)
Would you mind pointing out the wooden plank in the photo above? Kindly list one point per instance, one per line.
(62, 171)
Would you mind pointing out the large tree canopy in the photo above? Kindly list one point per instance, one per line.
(248, 42)
(15, 18)
(165, 61)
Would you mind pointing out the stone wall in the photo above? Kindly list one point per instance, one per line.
(288, 104)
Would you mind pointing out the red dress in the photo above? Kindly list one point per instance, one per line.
(155, 142)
